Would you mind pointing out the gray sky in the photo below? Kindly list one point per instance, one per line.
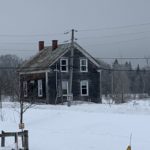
(106, 28)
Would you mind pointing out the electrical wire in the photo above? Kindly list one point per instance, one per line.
(118, 42)
(116, 27)
(29, 35)
(115, 35)
(76, 69)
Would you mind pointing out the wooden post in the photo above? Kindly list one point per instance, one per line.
(26, 144)
(16, 140)
(23, 134)
(3, 139)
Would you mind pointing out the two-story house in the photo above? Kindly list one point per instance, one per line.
(58, 72)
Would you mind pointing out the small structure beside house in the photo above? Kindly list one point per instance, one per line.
(59, 73)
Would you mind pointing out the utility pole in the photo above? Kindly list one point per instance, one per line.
(71, 59)
(1, 112)
(70, 95)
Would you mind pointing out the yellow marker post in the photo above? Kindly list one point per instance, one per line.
(129, 147)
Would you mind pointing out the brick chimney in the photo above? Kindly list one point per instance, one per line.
(41, 45)
(54, 44)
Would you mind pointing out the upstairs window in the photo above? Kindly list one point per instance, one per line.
(40, 88)
(83, 65)
(65, 88)
(84, 88)
(64, 65)
(25, 89)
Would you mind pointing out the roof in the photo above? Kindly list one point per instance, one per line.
(46, 57)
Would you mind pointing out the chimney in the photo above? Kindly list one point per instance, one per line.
(41, 45)
(54, 44)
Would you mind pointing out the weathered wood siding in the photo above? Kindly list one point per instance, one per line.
(52, 87)
(92, 76)
(32, 94)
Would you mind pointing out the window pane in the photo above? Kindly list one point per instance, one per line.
(65, 91)
(65, 87)
(63, 62)
(84, 83)
(40, 92)
(25, 88)
(40, 88)
(84, 88)
(83, 68)
(83, 65)
(64, 65)
(83, 62)
(64, 84)
(63, 68)
(84, 91)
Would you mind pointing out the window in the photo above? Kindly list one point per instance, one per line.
(40, 88)
(83, 65)
(25, 89)
(84, 88)
(31, 87)
(65, 88)
(64, 65)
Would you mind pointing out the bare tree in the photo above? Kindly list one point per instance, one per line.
(8, 74)
(25, 105)
(120, 83)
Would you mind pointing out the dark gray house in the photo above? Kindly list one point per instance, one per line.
(59, 73)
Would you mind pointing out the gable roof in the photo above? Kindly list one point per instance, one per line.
(47, 57)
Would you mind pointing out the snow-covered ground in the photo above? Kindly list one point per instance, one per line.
(84, 126)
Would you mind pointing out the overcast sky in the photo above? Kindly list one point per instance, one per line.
(106, 28)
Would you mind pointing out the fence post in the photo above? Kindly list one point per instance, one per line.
(16, 140)
(26, 144)
(3, 139)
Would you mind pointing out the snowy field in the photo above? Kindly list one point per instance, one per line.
(83, 127)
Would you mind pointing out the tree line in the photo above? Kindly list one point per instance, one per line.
(121, 82)
(9, 76)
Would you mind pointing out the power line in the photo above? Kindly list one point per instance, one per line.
(18, 42)
(31, 43)
(124, 58)
(27, 43)
(17, 49)
(117, 42)
(116, 27)
(80, 38)
(76, 69)
(81, 30)
(109, 36)
(29, 35)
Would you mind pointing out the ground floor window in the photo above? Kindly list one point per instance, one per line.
(65, 88)
(84, 88)
(25, 89)
(40, 88)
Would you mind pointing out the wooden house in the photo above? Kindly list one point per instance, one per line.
(59, 73)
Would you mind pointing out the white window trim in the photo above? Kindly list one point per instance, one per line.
(87, 86)
(64, 65)
(40, 88)
(67, 88)
(83, 65)
(25, 89)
